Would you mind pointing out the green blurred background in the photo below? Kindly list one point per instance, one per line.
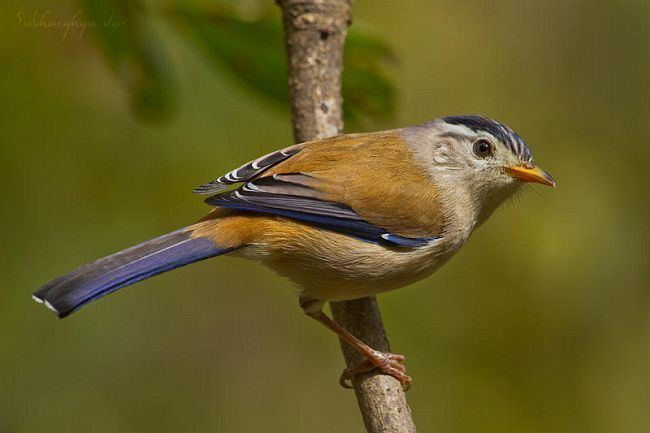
(542, 323)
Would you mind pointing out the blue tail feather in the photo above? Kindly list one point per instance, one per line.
(70, 292)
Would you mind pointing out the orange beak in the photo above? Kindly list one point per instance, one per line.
(531, 173)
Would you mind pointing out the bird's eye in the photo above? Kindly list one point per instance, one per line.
(483, 148)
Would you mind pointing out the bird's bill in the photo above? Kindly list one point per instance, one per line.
(531, 174)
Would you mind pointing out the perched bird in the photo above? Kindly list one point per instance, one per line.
(342, 218)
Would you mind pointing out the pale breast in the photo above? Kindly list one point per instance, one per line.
(331, 266)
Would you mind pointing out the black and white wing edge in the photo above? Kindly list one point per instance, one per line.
(249, 170)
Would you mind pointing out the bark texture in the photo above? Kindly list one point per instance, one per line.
(315, 32)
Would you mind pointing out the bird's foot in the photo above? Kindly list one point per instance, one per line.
(388, 363)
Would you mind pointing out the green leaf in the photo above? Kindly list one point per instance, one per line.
(367, 88)
(252, 53)
(129, 44)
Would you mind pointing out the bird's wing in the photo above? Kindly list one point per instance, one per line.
(248, 171)
(364, 185)
(289, 195)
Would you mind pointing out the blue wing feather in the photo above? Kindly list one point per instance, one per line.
(329, 215)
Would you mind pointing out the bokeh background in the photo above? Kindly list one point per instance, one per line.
(541, 323)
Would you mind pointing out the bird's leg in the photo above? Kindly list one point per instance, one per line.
(387, 363)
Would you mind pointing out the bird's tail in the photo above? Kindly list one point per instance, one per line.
(70, 292)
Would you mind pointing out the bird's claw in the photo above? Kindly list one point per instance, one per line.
(388, 363)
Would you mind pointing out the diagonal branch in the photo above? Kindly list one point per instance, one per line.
(315, 32)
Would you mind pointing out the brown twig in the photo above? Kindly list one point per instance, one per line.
(315, 32)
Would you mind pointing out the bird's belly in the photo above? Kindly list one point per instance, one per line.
(334, 267)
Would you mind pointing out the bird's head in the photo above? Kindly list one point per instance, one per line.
(478, 155)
